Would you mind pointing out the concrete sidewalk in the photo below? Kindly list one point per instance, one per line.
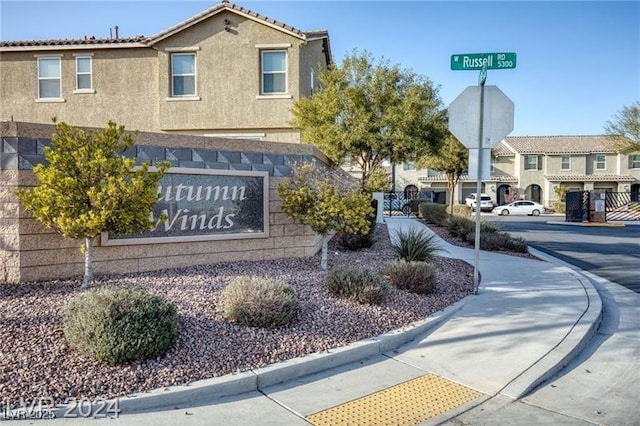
(528, 320)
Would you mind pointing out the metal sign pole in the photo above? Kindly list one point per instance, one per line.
(476, 251)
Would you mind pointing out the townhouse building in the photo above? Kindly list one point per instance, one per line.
(535, 166)
(226, 72)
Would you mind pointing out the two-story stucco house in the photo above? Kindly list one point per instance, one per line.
(226, 72)
(535, 166)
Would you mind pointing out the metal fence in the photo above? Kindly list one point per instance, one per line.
(622, 206)
(618, 206)
(397, 204)
(577, 206)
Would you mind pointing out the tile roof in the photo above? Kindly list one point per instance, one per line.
(465, 177)
(589, 178)
(502, 150)
(556, 145)
(87, 41)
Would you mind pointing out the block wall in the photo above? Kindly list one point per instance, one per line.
(29, 252)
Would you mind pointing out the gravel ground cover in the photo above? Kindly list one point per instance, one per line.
(35, 360)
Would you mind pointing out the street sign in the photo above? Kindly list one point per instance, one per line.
(475, 61)
(464, 116)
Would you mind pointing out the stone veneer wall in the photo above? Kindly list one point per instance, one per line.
(29, 252)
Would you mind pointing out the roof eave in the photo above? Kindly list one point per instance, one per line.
(40, 48)
(215, 11)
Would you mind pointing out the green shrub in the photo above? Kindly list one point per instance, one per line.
(487, 227)
(433, 213)
(461, 210)
(116, 325)
(560, 206)
(415, 277)
(353, 242)
(500, 241)
(460, 227)
(356, 284)
(259, 302)
(414, 204)
(414, 244)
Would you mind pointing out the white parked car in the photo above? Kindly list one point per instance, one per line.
(521, 207)
(485, 201)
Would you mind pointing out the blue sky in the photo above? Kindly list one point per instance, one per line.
(578, 61)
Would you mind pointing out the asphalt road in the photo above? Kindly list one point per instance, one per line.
(609, 252)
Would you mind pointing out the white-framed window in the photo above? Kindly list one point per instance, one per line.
(601, 162)
(83, 73)
(565, 162)
(533, 162)
(634, 161)
(49, 80)
(273, 72)
(183, 74)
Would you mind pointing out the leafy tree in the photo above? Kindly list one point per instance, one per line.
(320, 200)
(370, 111)
(624, 128)
(452, 159)
(378, 181)
(89, 187)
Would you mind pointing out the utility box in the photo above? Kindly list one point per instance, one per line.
(598, 206)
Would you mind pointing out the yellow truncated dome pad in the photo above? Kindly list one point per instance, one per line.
(408, 403)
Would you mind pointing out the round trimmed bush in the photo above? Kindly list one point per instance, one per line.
(356, 284)
(117, 325)
(415, 277)
(259, 302)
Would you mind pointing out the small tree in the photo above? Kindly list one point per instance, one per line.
(318, 199)
(371, 111)
(624, 128)
(559, 205)
(89, 187)
(452, 159)
(378, 181)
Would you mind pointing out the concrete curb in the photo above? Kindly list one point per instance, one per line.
(577, 338)
(591, 224)
(254, 380)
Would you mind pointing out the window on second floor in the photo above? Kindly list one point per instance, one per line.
(533, 162)
(601, 162)
(49, 81)
(274, 72)
(565, 162)
(634, 161)
(83, 73)
(183, 74)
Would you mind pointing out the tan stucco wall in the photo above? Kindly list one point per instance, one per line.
(120, 92)
(228, 76)
(132, 85)
(311, 57)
